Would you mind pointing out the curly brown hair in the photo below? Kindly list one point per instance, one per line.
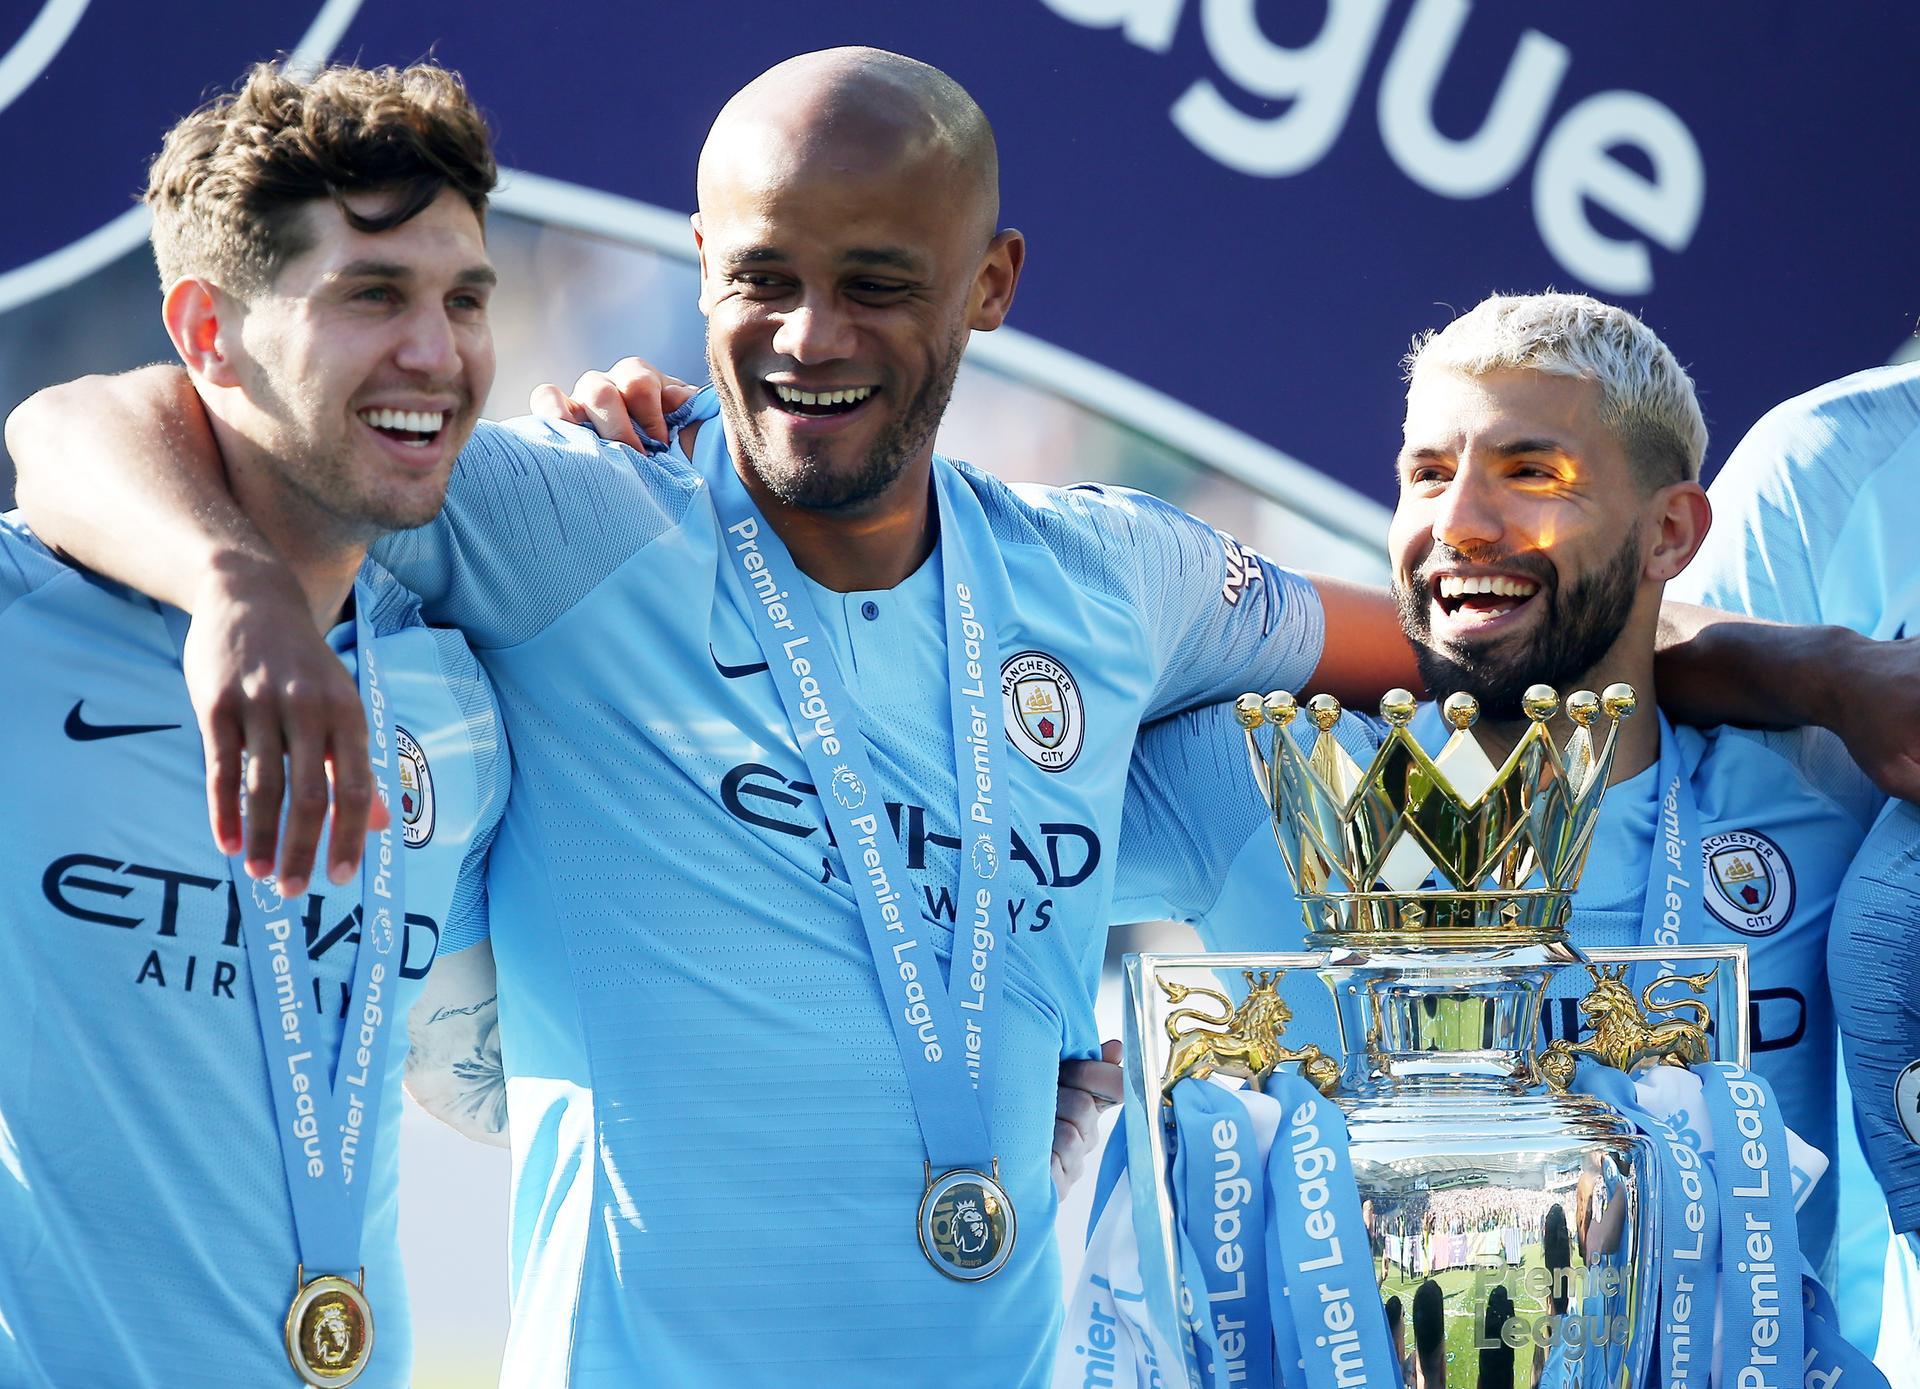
(230, 180)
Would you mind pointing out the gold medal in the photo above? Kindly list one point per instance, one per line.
(329, 1329)
(967, 1224)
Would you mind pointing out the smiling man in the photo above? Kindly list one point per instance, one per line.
(1548, 478)
(198, 1095)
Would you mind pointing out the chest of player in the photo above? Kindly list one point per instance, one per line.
(668, 683)
(117, 881)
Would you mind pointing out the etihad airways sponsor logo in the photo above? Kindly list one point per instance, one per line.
(1062, 855)
(193, 922)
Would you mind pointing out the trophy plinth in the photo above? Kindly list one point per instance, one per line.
(1509, 1219)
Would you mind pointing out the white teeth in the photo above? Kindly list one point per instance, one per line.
(1452, 586)
(413, 421)
(791, 396)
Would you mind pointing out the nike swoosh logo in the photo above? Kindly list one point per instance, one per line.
(81, 731)
(733, 672)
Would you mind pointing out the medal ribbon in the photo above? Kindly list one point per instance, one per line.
(1671, 912)
(1337, 1320)
(328, 1129)
(1223, 1186)
(1690, 1247)
(943, 1028)
(1760, 1263)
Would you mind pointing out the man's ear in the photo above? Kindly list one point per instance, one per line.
(999, 275)
(203, 323)
(700, 250)
(1681, 516)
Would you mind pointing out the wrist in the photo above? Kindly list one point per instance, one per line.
(237, 575)
(1831, 663)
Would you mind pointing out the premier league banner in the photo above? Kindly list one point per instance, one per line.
(1238, 212)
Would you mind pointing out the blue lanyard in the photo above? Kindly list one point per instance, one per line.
(1223, 1230)
(945, 1029)
(328, 1130)
(1671, 914)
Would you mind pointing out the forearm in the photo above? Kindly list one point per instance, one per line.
(123, 474)
(1715, 667)
(1366, 653)
(454, 1068)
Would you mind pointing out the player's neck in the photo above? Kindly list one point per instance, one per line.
(322, 558)
(1637, 745)
(874, 546)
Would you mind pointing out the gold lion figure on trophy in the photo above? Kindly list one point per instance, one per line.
(1625, 1032)
(1243, 1041)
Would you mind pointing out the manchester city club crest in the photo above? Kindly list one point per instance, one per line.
(1906, 1100)
(1749, 882)
(848, 789)
(966, 1225)
(416, 789)
(1046, 717)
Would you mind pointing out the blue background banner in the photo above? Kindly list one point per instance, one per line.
(1250, 207)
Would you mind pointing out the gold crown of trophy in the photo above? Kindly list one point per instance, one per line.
(1437, 891)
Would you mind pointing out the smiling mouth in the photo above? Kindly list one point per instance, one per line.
(413, 428)
(819, 404)
(1483, 597)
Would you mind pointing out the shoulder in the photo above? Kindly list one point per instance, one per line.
(1821, 446)
(1800, 772)
(1111, 539)
(531, 448)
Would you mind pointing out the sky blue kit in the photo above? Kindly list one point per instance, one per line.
(1779, 818)
(718, 1158)
(146, 1232)
(1814, 518)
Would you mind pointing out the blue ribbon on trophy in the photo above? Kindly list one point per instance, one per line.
(1218, 1172)
(1690, 1224)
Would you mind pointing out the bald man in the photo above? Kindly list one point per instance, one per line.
(795, 703)
(820, 747)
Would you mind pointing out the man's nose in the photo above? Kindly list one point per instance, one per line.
(814, 332)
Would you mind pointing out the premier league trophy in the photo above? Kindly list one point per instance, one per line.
(1507, 1212)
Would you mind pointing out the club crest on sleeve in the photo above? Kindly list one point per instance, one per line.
(415, 791)
(1243, 571)
(1749, 882)
(1906, 1100)
(1046, 718)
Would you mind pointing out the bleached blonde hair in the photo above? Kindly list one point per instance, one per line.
(1646, 396)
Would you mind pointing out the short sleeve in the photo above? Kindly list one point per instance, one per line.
(538, 514)
(467, 922)
(1218, 618)
(25, 563)
(1784, 504)
(1873, 950)
(1192, 806)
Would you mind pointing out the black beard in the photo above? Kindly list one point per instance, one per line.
(1580, 626)
(812, 485)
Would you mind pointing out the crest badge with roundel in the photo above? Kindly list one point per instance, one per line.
(1749, 882)
(416, 789)
(1046, 717)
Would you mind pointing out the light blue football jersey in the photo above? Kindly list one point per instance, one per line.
(1813, 522)
(1198, 847)
(146, 1232)
(716, 1161)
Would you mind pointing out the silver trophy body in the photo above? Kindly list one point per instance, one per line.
(1511, 1221)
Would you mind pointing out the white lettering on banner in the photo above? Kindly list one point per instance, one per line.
(1757, 1269)
(1319, 82)
(1231, 1195)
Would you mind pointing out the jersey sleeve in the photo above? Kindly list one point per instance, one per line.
(466, 923)
(1192, 805)
(1823, 763)
(1872, 948)
(1783, 502)
(537, 515)
(1219, 619)
(25, 563)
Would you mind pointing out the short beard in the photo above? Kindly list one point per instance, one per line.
(1579, 628)
(808, 482)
